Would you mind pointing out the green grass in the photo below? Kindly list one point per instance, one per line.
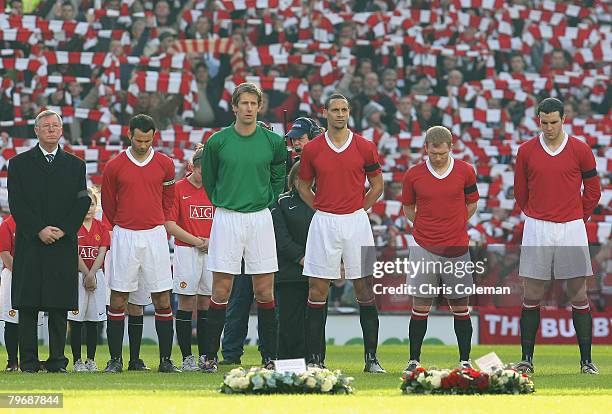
(559, 386)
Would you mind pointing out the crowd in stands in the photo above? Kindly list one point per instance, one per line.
(478, 67)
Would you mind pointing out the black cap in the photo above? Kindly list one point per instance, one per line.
(300, 127)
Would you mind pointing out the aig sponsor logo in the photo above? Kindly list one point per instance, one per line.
(88, 252)
(201, 212)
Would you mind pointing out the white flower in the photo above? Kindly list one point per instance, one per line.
(238, 383)
(435, 381)
(327, 385)
(258, 382)
(421, 377)
(311, 382)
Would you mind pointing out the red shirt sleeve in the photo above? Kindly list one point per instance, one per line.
(306, 169)
(173, 214)
(169, 189)
(372, 165)
(6, 238)
(408, 195)
(105, 236)
(521, 191)
(470, 189)
(109, 194)
(590, 179)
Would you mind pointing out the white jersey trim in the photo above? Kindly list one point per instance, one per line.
(446, 173)
(343, 147)
(135, 161)
(558, 151)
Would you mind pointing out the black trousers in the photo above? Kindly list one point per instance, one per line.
(291, 299)
(28, 340)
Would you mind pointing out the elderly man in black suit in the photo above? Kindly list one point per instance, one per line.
(48, 199)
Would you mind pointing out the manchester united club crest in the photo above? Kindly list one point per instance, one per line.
(183, 285)
(98, 237)
(12, 313)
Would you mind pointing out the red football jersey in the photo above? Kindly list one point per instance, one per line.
(339, 173)
(440, 224)
(547, 185)
(138, 196)
(192, 210)
(90, 241)
(7, 235)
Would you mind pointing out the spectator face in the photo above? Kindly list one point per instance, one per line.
(75, 89)
(112, 5)
(551, 125)
(365, 68)
(390, 81)
(569, 112)
(143, 100)
(494, 104)
(316, 91)
(370, 83)
(405, 106)
(247, 108)
(202, 74)
(426, 111)
(374, 119)
(203, 26)
(67, 12)
(356, 84)
(167, 43)
(584, 108)
(558, 60)
(345, 36)
(17, 8)
(438, 154)
(238, 41)
(137, 29)
(162, 11)
(141, 142)
(517, 64)
(450, 63)
(337, 114)
(115, 48)
(49, 130)
(455, 78)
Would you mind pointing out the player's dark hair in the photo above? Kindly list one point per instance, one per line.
(246, 87)
(333, 96)
(550, 105)
(67, 3)
(143, 122)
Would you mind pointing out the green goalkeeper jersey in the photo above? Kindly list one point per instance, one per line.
(244, 173)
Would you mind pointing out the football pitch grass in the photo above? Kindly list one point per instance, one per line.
(560, 388)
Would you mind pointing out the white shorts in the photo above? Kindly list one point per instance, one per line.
(336, 238)
(92, 305)
(7, 313)
(235, 235)
(434, 274)
(190, 273)
(554, 250)
(140, 256)
(139, 297)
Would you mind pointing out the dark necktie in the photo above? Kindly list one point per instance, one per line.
(50, 158)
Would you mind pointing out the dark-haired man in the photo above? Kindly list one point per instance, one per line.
(137, 198)
(550, 171)
(243, 171)
(339, 161)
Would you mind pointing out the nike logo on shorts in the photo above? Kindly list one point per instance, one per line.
(186, 197)
(291, 208)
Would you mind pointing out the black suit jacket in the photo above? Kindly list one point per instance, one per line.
(46, 194)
